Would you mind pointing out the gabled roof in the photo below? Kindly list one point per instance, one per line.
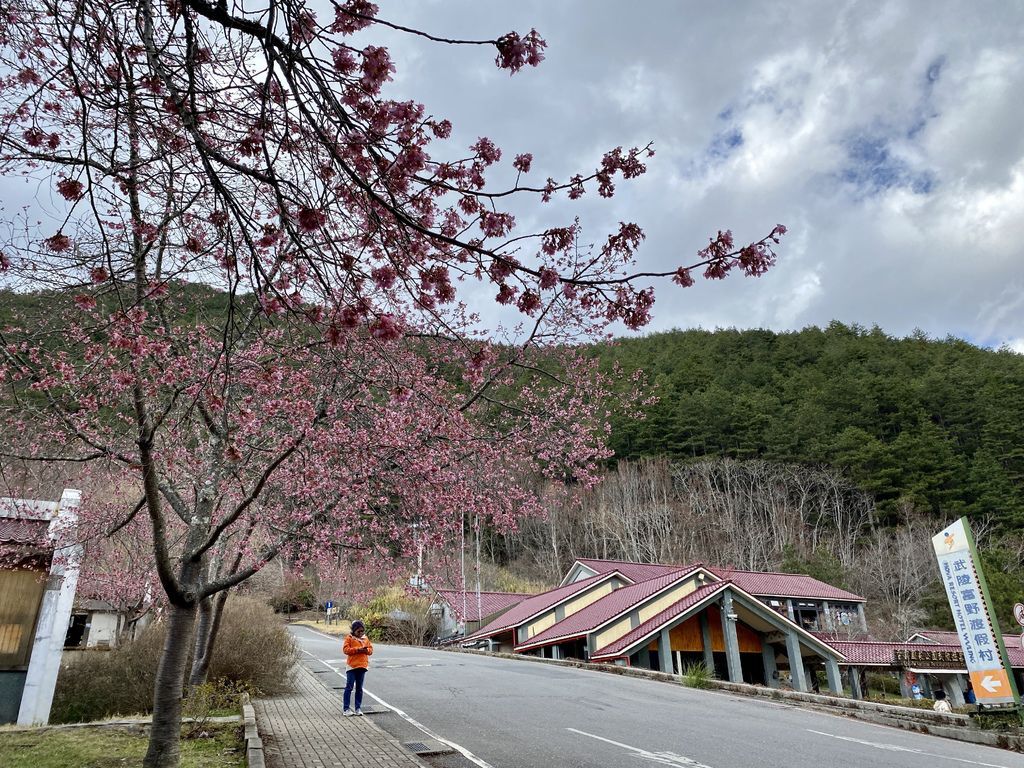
(532, 606)
(490, 602)
(654, 623)
(758, 583)
(795, 585)
(936, 636)
(635, 572)
(608, 607)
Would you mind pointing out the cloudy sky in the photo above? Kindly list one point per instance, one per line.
(886, 136)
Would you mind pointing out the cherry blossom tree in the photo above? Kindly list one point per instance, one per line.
(255, 286)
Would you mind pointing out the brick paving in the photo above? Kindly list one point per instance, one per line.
(306, 729)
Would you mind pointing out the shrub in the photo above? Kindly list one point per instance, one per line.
(296, 594)
(884, 683)
(253, 650)
(397, 617)
(697, 675)
(109, 683)
(253, 653)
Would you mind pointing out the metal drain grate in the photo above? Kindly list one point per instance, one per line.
(427, 747)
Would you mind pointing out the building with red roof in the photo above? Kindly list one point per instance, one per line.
(747, 626)
(463, 611)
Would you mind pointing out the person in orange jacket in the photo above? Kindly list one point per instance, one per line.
(358, 650)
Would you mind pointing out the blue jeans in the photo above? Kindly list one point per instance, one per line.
(354, 678)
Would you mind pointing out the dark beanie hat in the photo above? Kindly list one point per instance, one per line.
(357, 624)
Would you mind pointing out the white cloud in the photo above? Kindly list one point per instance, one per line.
(885, 136)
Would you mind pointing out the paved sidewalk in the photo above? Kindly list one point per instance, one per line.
(306, 729)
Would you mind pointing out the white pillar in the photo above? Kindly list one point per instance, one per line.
(54, 614)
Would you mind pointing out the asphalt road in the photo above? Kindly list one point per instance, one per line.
(518, 714)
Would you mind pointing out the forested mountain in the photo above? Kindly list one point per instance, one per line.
(939, 423)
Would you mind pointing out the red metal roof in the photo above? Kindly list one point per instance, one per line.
(609, 606)
(536, 604)
(490, 602)
(759, 583)
(615, 648)
(768, 584)
(879, 653)
(635, 572)
(939, 636)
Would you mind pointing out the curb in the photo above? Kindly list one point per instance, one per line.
(950, 726)
(253, 743)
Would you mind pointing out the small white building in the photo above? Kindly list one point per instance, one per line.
(39, 562)
(94, 624)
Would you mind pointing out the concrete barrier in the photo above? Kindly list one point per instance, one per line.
(254, 757)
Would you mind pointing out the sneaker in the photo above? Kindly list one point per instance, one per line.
(359, 713)
(348, 713)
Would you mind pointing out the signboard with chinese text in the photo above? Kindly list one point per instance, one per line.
(926, 658)
(984, 653)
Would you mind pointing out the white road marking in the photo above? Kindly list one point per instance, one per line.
(457, 747)
(665, 758)
(898, 748)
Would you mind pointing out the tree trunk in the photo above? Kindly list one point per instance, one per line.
(201, 642)
(210, 613)
(165, 735)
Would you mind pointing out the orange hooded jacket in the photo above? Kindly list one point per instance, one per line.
(358, 651)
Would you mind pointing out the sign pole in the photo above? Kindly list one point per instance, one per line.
(971, 604)
(995, 620)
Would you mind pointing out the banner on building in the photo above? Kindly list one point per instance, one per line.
(984, 652)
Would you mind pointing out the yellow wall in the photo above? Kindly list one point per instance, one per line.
(545, 621)
(673, 595)
(581, 602)
(613, 633)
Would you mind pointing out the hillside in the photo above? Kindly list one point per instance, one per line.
(939, 423)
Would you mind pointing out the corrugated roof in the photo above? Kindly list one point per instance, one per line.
(768, 584)
(536, 604)
(759, 583)
(615, 648)
(15, 531)
(609, 606)
(490, 602)
(877, 652)
(939, 636)
(633, 571)
(28, 509)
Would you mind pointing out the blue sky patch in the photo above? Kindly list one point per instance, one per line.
(873, 168)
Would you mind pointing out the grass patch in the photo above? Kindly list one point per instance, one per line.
(338, 628)
(220, 746)
(697, 675)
